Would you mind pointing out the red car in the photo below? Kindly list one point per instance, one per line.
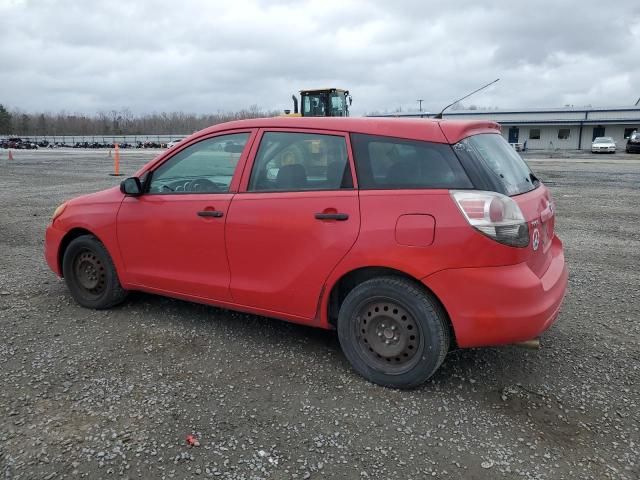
(409, 237)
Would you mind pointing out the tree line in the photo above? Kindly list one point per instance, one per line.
(116, 122)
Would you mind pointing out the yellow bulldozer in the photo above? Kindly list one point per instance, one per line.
(322, 102)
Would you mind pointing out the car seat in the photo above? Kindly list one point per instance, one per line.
(291, 177)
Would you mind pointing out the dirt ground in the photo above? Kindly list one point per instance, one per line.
(114, 394)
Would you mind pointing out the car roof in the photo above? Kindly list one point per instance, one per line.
(441, 131)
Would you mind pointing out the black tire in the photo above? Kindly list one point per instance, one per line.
(393, 332)
(90, 275)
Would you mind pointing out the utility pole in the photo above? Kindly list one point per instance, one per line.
(420, 100)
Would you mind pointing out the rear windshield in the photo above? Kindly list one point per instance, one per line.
(507, 170)
(393, 163)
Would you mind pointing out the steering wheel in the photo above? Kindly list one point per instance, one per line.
(201, 185)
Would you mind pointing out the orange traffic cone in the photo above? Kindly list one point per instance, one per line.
(116, 162)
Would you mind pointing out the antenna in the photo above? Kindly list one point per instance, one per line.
(466, 96)
(638, 101)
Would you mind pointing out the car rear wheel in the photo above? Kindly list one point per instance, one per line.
(90, 274)
(393, 332)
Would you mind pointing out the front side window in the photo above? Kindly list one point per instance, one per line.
(394, 163)
(204, 167)
(290, 161)
(338, 105)
(507, 170)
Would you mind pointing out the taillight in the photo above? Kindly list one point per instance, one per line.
(495, 215)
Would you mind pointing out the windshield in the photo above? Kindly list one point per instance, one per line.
(603, 140)
(314, 105)
(505, 167)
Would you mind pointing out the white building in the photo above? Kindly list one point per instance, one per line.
(567, 128)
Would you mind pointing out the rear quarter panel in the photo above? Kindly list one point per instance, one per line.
(455, 243)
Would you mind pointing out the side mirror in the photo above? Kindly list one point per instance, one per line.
(131, 186)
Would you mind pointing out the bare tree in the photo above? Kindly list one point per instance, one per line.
(117, 122)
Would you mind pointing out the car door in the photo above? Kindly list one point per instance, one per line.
(295, 217)
(172, 237)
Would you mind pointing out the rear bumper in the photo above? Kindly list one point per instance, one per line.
(501, 305)
(52, 240)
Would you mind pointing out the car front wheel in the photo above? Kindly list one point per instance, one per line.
(393, 332)
(90, 274)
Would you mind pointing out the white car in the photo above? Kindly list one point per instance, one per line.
(603, 145)
(173, 143)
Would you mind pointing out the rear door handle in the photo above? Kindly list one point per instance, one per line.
(341, 217)
(210, 213)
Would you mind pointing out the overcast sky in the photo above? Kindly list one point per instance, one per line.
(207, 56)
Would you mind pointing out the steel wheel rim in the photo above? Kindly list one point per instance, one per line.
(89, 273)
(388, 336)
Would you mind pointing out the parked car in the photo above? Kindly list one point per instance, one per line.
(633, 143)
(14, 142)
(409, 237)
(173, 143)
(603, 145)
(21, 144)
(149, 144)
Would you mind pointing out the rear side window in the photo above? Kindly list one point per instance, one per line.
(507, 172)
(394, 163)
(292, 161)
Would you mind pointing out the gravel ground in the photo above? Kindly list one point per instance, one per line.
(114, 394)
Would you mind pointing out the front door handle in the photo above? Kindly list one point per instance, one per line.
(341, 217)
(210, 213)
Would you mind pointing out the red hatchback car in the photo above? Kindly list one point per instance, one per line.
(409, 237)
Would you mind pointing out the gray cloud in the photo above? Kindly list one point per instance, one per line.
(203, 56)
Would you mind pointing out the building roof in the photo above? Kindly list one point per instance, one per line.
(562, 115)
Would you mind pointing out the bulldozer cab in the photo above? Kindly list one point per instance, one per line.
(327, 102)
